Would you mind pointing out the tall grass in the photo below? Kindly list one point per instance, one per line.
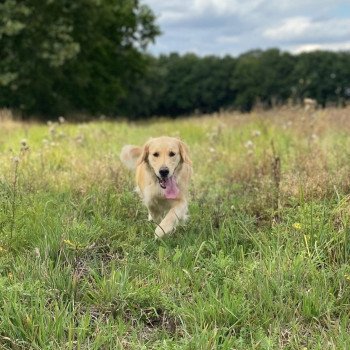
(263, 262)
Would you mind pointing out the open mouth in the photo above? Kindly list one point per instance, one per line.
(170, 187)
(163, 182)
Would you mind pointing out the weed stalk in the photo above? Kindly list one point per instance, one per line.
(276, 176)
(14, 196)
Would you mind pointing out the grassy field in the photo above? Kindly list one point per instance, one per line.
(263, 262)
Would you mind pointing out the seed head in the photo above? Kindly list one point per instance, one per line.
(249, 144)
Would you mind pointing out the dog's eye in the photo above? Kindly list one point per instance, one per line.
(171, 154)
(156, 154)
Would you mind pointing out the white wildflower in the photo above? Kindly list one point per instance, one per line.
(249, 144)
(61, 120)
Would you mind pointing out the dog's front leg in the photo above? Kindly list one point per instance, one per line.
(154, 216)
(178, 212)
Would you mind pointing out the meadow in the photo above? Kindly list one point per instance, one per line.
(262, 263)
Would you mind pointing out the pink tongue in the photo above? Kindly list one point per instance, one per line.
(171, 191)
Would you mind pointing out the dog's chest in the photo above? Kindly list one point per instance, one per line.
(153, 196)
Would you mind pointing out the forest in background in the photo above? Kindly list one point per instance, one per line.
(90, 57)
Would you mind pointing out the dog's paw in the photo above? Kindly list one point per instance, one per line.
(159, 233)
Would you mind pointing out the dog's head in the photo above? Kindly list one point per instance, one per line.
(164, 156)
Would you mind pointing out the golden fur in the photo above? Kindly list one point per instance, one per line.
(148, 160)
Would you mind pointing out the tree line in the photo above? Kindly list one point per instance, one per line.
(175, 85)
(89, 56)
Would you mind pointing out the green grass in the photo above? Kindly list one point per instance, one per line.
(262, 263)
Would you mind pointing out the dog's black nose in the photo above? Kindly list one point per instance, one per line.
(164, 172)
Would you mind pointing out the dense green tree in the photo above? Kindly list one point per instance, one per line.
(58, 56)
(324, 76)
(263, 77)
(277, 71)
(146, 91)
(178, 85)
(184, 84)
(246, 80)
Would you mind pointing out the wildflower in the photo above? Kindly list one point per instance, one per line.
(24, 145)
(347, 277)
(15, 159)
(79, 139)
(68, 242)
(37, 252)
(256, 133)
(2, 249)
(61, 120)
(28, 319)
(72, 244)
(297, 225)
(211, 149)
(249, 144)
(287, 125)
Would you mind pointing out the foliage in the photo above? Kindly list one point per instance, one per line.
(59, 56)
(186, 84)
(324, 76)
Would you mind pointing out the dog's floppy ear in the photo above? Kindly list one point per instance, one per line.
(184, 153)
(144, 155)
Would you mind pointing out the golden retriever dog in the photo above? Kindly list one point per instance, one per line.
(163, 173)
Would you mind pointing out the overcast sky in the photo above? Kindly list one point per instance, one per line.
(232, 27)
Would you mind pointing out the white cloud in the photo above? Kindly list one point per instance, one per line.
(306, 28)
(224, 7)
(235, 26)
(228, 39)
(343, 46)
(292, 27)
(173, 17)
